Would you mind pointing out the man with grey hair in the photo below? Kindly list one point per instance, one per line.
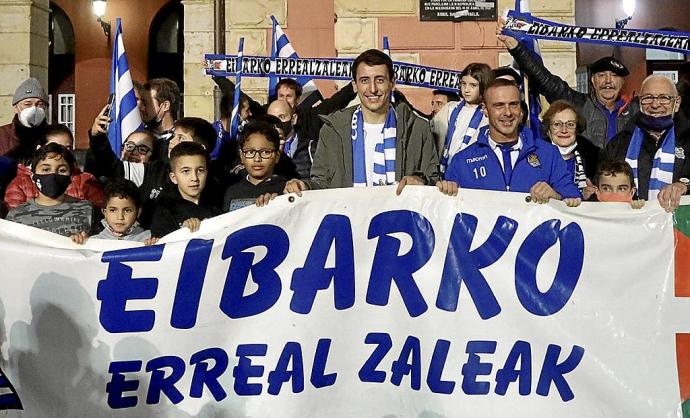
(656, 145)
(18, 139)
(604, 111)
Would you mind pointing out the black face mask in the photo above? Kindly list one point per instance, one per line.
(286, 127)
(52, 185)
(153, 123)
(653, 124)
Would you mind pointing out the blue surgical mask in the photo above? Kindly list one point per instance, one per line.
(655, 124)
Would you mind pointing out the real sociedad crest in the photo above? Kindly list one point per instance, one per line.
(533, 160)
(680, 153)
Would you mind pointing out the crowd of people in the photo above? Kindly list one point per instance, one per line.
(179, 171)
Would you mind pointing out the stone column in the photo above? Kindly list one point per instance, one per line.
(243, 18)
(198, 39)
(23, 48)
(250, 19)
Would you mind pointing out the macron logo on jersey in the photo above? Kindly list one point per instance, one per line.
(476, 159)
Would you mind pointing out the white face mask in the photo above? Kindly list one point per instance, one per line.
(32, 116)
(567, 150)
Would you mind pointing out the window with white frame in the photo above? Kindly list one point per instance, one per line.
(49, 111)
(66, 110)
(582, 74)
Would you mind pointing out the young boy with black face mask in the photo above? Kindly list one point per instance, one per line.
(52, 210)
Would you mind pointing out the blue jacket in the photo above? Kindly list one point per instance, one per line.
(477, 167)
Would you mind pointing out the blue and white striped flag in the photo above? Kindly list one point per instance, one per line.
(235, 117)
(531, 93)
(8, 397)
(386, 46)
(125, 114)
(281, 48)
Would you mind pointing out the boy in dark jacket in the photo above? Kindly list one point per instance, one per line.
(151, 177)
(186, 205)
(259, 151)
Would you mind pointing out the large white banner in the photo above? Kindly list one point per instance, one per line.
(352, 303)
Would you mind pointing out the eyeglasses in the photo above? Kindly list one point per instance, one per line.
(263, 153)
(570, 125)
(663, 99)
(141, 149)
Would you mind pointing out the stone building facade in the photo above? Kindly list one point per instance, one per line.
(316, 28)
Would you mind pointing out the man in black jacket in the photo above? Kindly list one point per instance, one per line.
(656, 145)
(603, 110)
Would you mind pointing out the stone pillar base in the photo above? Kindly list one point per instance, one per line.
(24, 40)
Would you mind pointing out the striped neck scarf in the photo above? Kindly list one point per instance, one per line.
(580, 176)
(384, 156)
(664, 159)
(291, 146)
(469, 133)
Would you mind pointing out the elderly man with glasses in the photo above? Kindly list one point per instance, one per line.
(656, 144)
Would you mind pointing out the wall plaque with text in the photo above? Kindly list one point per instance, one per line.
(457, 10)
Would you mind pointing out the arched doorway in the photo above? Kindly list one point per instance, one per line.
(166, 44)
(61, 65)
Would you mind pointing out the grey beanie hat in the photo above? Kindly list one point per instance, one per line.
(29, 89)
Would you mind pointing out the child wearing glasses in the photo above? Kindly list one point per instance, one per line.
(189, 202)
(259, 151)
(138, 147)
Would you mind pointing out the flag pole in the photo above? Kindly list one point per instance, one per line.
(219, 47)
(525, 82)
(124, 113)
(235, 119)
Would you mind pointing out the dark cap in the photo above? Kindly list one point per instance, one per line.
(29, 89)
(609, 64)
(507, 71)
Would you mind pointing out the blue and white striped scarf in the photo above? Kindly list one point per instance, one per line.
(469, 133)
(291, 146)
(664, 159)
(384, 157)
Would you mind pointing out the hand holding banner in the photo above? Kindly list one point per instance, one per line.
(524, 25)
(481, 305)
